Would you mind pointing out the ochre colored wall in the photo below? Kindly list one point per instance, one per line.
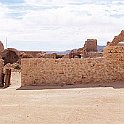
(38, 71)
(91, 45)
(114, 53)
(1, 70)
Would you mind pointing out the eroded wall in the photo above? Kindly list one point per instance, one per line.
(1, 70)
(114, 53)
(91, 45)
(38, 71)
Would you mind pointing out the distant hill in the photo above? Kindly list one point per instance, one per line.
(59, 52)
(100, 48)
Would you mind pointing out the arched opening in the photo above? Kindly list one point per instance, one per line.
(78, 56)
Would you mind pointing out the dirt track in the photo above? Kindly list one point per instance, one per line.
(98, 105)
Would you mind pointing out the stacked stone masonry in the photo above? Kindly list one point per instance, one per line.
(114, 53)
(39, 71)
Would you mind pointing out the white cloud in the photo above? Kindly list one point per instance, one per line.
(55, 24)
(50, 2)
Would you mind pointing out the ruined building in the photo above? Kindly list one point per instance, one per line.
(117, 39)
(91, 45)
(1, 49)
(38, 69)
(11, 55)
(88, 51)
(106, 69)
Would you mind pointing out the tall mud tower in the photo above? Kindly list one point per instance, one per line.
(91, 45)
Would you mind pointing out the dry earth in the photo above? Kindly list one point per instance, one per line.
(88, 105)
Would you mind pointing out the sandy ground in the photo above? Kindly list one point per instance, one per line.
(88, 105)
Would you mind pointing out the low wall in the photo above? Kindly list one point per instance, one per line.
(39, 71)
(94, 54)
(33, 54)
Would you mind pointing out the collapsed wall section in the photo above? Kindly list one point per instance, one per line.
(39, 71)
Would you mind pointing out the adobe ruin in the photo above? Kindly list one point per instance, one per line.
(91, 45)
(10, 55)
(109, 68)
(1, 47)
(39, 68)
(114, 50)
(88, 51)
(117, 39)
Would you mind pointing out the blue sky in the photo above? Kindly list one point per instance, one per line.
(11, 1)
(59, 24)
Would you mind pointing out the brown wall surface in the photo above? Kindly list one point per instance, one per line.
(1, 70)
(114, 53)
(94, 54)
(39, 71)
(91, 45)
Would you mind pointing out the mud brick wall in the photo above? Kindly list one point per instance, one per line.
(114, 53)
(1, 70)
(91, 45)
(39, 71)
(33, 54)
(94, 54)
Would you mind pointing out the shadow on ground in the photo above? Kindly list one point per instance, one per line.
(116, 85)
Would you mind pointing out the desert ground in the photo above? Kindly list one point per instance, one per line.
(89, 104)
